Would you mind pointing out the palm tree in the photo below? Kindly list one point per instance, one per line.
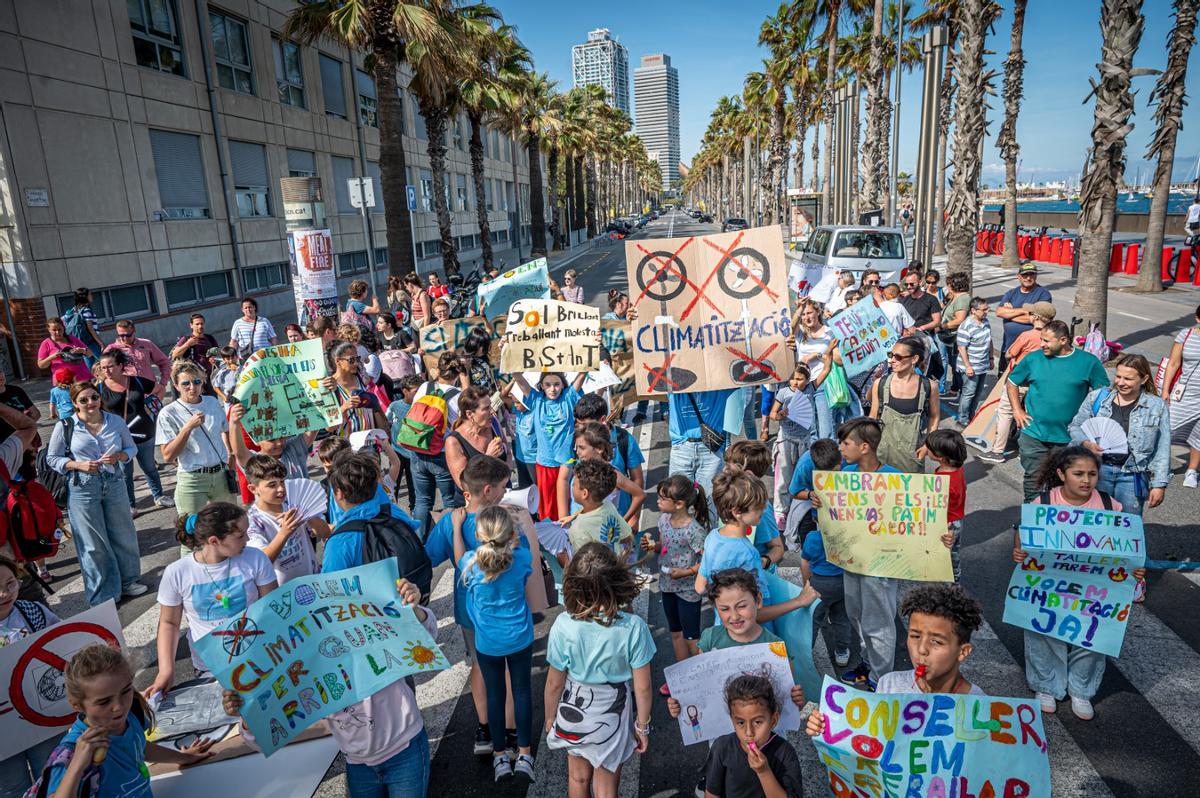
(974, 17)
(538, 118)
(879, 107)
(833, 9)
(1010, 150)
(391, 33)
(1169, 93)
(1121, 24)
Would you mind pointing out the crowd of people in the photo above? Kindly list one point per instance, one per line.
(429, 444)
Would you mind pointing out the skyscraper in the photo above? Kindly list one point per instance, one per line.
(603, 61)
(656, 92)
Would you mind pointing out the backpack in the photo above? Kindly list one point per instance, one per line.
(365, 328)
(1101, 395)
(75, 324)
(1095, 344)
(624, 440)
(31, 519)
(51, 480)
(423, 429)
(387, 536)
(397, 363)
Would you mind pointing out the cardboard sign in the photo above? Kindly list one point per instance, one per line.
(932, 744)
(882, 524)
(237, 769)
(316, 645)
(33, 706)
(527, 281)
(280, 387)
(863, 336)
(698, 684)
(314, 281)
(617, 337)
(194, 707)
(446, 336)
(1076, 583)
(548, 335)
(712, 311)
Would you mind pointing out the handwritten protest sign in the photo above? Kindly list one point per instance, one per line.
(796, 630)
(932, 745)
(816, 280)
(1076, 583)
(698, 683)
(280, 387)
(548, 335)
(527, 281)
(310, 256)
(33, 706)
(316, 645)
(712, 311)
(863, 336)
(881, 524)
(446, 336)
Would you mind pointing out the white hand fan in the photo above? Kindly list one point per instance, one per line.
(800, 410)
(306, 496)
(1107, 434)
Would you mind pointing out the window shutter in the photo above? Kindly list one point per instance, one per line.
(249, 162)
(365, 84)
(301, 161)
(331, 84)
(343, 170)
(179, 168)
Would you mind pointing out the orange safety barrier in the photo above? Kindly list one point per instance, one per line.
(1114, 260)
(1131, 258)
(1183, 272)
(1167, 254)
(1068, 252)
(1055, 250)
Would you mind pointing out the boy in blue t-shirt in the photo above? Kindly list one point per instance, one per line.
(755, 457)
(61, 405)
(627, 455)
(823, 455)
(870, 600)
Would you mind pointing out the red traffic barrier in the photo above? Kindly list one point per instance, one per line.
(1131, 258)
(1167, 254)
(1067, 256)
(1183, 271)
(1055, 250)
(1114, 260)
(979, 234)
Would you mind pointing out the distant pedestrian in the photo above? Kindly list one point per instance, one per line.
(142, 357)
(194, 345)
(1192, 224)
(251, 332)
(80, 321)
(60, 350)
(1013, 310)
(974, 358)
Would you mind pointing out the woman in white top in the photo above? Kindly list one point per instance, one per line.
(217, 580)
(251, 332)
(90, 449)
(190, 432)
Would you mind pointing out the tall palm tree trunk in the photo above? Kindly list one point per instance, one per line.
(590, 206)
(816, 161)
(874, 152)
(801, 133)
(1169, 93)
(1121, 24)
(834, 8)
(555, 202)
(1010, 150)
(777, 155)
(481, 211)
(949, 86)
(537, 200)
(970, 124)
(393, 169)
(435, 125)
(580, 191)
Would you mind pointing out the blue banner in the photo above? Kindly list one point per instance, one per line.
(1076, 583)
(931, 744)
(864, 336)
(796, 630)
(527, 281)
(316, 645)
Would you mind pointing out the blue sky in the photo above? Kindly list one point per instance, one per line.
(714, 44)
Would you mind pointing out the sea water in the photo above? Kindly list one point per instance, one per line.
(1126, 203)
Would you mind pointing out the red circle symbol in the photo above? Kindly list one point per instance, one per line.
(39, 652)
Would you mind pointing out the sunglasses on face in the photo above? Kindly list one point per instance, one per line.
(87, 400)
(871, 282)
(183, 383)
(893, 355)
(124, 335)
(1030, 276)
(911, 285)
(351, 359)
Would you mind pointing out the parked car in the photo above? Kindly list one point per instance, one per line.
(733, 223)
(857, 249)
(705, 218)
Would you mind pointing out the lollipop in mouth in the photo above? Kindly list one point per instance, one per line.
(920, 672)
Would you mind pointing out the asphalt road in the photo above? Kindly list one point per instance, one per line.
(1145, 740)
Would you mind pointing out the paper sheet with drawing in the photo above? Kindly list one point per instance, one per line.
(191, 707)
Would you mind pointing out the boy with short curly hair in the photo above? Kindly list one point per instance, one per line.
(598, 520)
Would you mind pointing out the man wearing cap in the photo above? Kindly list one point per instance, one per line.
(1041, 313)
(1012, 306)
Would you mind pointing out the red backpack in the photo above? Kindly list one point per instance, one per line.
(423, 429)
(31, 519)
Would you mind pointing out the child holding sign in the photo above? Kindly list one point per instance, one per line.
(753, 760)
(552, 403)
(1067, 476)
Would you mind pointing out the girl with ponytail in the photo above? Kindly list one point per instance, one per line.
(217, 580)
(497, 574)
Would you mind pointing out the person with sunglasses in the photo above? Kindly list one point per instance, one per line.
(92, 459)
(142, 356)
(870, 281)
(356, 394)
(906, 404)
(1014, 307)
(190, 432)
(128, 397)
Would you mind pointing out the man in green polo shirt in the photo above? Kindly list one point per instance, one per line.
(1058, 378)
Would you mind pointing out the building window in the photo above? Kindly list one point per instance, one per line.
(110, 304)
(463, 196)
(264, 278)
(156, 40)
(343, 170)
(487, 194)
(231, 50)
(426, 189)
(332, 86)
(180, 172)
(431, 248)
(301, 163)
(499, 236)
(508, 195)
(198, 290)
(381, 256)
(289, 77)
(352, 263)
(368, 101)
(459, 139)
(419, 121)
(251, 185)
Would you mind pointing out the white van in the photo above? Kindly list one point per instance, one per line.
(857, 249)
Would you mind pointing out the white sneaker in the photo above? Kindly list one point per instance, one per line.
(1082, 708)
(841, 658)
(1048, 703)
(1191, 478)
(523, 766)
(164, 501)
(501, 767)
(134, 589)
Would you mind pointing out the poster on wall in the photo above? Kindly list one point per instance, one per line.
(314, 280)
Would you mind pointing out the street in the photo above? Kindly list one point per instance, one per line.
(1144, 741)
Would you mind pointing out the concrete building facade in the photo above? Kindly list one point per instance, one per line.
(130, 166)
(603, 61)
(656, 95)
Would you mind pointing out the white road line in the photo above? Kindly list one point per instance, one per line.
(1133, 316)
(438, 693)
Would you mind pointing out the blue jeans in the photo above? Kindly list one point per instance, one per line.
(1123, 486)
(105, 538)
(145, 459)
(18, 772)
(697, 463)
(520, 670)
(430, 475)
(829, 419)
(970, 396)
(1056, 667)
(406, 775)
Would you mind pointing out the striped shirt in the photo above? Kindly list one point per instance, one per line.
(976, 338)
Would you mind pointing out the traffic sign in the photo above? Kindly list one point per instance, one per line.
(412, 197)
(362, 192)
